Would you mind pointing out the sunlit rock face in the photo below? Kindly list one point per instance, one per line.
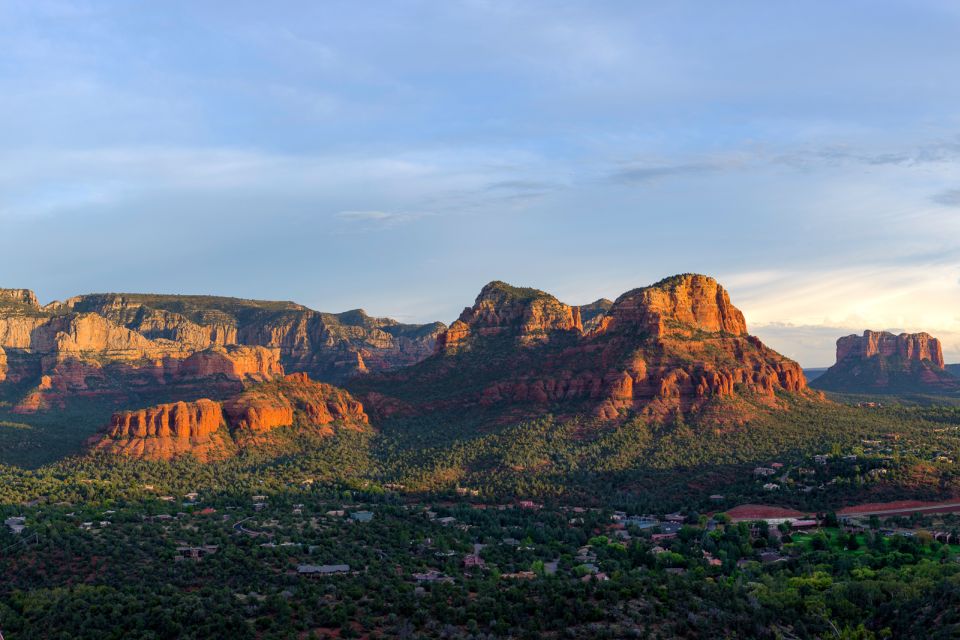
(672, 347)
(210, 430)
(881, 362)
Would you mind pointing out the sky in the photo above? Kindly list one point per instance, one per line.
(396, 156)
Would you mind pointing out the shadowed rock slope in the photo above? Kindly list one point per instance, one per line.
(884, 363)
(676, 347)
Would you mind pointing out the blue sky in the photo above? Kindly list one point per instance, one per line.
(396, 156)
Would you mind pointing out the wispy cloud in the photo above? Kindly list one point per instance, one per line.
(378, 220)
(646, 173)
(948, 198)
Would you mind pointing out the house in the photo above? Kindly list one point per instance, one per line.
(519, 575)
(336, 513)
(675, 517)
(361, 516)
(716, 497)
(473, 560)
(771, 487)
(662, 536)
(803, 524)
(16, 524)
(447, 520)
(192, 496)
(764, 471)
(195, 553)
(528, 504)
(713, 562)
(770, 557)
(315, 570)
(821, 459)
(599, 577)
(431, 576)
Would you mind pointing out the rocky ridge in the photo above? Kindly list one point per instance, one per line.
(113, 345)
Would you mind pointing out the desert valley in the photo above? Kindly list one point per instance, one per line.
(479, 320)
(527, 447)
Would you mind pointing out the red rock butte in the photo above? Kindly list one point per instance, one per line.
(881, 362)
(672, 346)
(213, 430)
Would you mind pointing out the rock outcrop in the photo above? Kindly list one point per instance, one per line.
(167, 431)
(593, 314)
(881, 362)
(673, 347)
(24, 299)
(527, 314)
(681, 305)
(211, 430)
(116, 344)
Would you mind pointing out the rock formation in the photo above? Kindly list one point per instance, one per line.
(119, 344)
(881, 362)
(673, 347)
(592, 314)
(529, 314)
(211, 430)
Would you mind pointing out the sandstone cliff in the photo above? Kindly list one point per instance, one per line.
(673, 347)
(327, 346)
(211, 430)
(881, 362)
(116, 344)
(527, 314)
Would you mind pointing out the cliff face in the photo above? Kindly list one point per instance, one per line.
(500, 309)
(673, 347)
(212, 430)
(117, 344)
(881, 362)
(906, 347)
(327, 346)
(680, 305)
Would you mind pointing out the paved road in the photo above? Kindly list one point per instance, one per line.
(946, 507)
